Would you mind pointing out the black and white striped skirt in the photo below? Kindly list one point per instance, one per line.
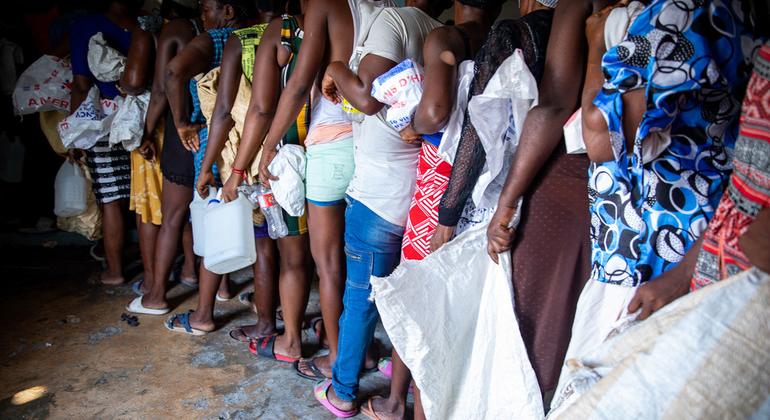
(110, 168)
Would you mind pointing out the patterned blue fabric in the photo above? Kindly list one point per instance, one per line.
(219, 38)
(693, 58)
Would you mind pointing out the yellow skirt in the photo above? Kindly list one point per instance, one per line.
(146, 183)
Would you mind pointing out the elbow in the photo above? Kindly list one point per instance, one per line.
(171, 77)
(132, 88)
(596, 135)
(370, 107)
(432, 120)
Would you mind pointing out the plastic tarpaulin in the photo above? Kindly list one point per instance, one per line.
(703, 356)
(451, 319)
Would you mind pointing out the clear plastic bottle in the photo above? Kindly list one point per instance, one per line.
(276, 226)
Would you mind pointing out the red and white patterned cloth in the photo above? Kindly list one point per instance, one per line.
(432, 179)
(749, 190)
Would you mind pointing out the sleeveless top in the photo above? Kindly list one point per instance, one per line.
(291, 39)
(219, 38)
(250, 38)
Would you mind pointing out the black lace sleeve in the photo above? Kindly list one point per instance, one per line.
(504, 38)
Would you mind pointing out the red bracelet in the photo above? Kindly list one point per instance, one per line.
(240, 172)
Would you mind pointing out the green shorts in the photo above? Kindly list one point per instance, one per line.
(329, 171)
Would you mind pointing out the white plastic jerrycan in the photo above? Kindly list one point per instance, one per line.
(70, 191)
(229, 232)
(197, 211)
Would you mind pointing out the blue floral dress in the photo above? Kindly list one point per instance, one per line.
(693, 58)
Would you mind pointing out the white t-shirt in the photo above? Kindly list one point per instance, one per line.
(386, 167)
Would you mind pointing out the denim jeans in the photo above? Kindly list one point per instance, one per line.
(372, 248)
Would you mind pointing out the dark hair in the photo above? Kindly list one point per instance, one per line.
(488, 5)
(294, 7)
(133, 5)
(244, 9)
(170, 8)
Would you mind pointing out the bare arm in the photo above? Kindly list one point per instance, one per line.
(439, 92)
(221, 121)
(357, 88)
(264, 96)
(190, 61)
(139, 62)
(308, 65)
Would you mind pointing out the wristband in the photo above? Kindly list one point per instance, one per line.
(240, 172)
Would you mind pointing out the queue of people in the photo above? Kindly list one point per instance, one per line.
(670, 195)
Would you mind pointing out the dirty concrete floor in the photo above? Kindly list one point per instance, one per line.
(64, 348)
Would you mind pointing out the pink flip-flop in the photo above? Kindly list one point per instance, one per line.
(320, 390)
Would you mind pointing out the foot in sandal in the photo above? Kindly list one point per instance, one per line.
(379, 408)
(189, 323)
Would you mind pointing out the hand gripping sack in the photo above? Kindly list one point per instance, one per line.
(44, 86)
(127, 126)
(106, 63)
(90, 123)
(451, 319)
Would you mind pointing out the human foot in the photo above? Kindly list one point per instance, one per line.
(324, 393)
(111, 279)
(248, 333)
(270, 348)
(223, 293)
(379, 408)
(190, 323)
(316, 368)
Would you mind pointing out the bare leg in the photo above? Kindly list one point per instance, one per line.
(224, 288)
(188, 268)
(148, 233)
(264, 289)
(174, 206)
(203, 317)
(326, 227)
(113, 231)
(294, 288)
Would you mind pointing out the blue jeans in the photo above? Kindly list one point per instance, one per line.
(372, 248)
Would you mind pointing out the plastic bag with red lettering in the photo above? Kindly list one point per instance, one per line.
(44, 86)
(90, 122)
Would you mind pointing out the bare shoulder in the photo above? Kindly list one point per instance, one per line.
(177, 30)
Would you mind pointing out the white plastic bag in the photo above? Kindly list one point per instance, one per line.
(451, 319)
(128, 124)
(70, 191)
(400, 88)
(106, 63)
(289, 190)
(447, 149)
(44, 86)
(90, 123)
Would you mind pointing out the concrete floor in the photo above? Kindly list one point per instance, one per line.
(64, 352)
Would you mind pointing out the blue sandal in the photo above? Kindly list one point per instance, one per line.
(184, 324)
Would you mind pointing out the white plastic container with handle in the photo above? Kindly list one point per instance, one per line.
(71, 191)
(197, 211)
(229, 236)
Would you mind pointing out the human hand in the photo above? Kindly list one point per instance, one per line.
(660, 291)
(205, 179)
(755, 242)
(499, 236)
(75, 155)
(329, 88)
(147, 149)
(409, 135)
(230, 189)
(442, 235)
(188, 134)
(264, 174)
